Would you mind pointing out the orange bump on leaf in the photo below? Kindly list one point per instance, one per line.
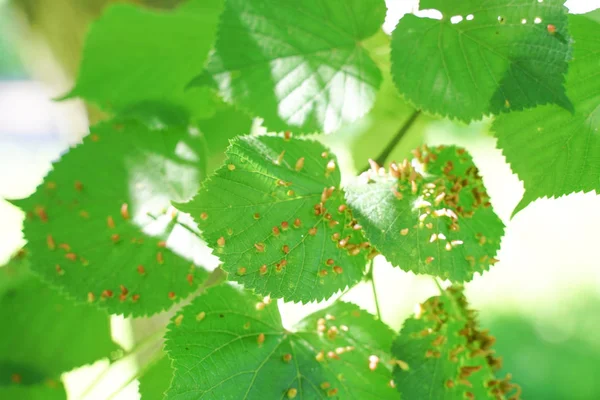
(51, 243)
(125, 211)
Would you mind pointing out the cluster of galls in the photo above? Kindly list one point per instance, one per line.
(455, 184)
(478, 343)
(327, 330)
(322, 214)
(123, 293)
(441, 197)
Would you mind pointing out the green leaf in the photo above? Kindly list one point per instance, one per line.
(155, 382)
(50, 390)
(500, 57)
(438, 221)
(553, 151)
(134, 54)
(88, 224)
(230, 345)
(275, 216)
(44, 334)
(443, 354)
(299, 65)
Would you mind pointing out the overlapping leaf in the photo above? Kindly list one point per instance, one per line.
(275, 216)
(297, 64)
(228, 344)
(443, 354)
(503, 55)
(44, 334)
(431, 217)
(86, 224)
(134, 54)
(553, 151)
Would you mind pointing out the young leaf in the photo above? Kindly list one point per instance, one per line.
(49, 390)
(299, 65)
(483, 57)
(44, 334)
(443, 354)
(437, 221)
(553, 151)
(86, 224)
(133, 54)
(229, 344)
(275, 216)
(156, 380)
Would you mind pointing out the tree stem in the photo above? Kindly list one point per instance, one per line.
(382, 157)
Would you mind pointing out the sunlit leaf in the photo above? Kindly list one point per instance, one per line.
(275, 216)
(338, 352)
(299, 65)
(553, 151)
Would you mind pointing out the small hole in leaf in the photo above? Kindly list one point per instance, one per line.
(456, 19)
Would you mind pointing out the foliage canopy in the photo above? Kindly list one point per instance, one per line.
(278, 208)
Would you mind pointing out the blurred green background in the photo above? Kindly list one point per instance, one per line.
(541, 301)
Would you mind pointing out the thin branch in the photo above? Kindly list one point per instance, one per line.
(369, 277)
(437, 283)
(382, 157)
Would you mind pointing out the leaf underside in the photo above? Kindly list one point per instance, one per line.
(500, 57)
(338, 352)
(438, 221)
